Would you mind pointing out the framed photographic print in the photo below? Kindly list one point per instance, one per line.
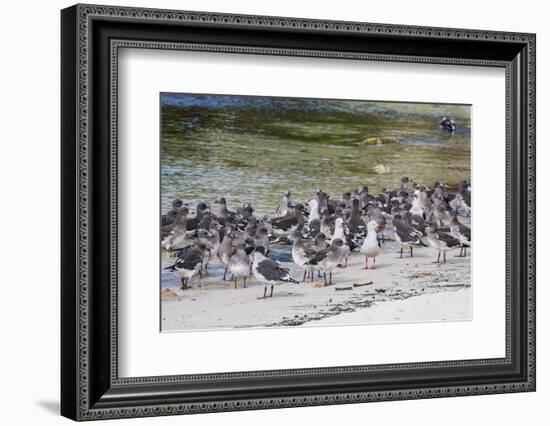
(263, 212)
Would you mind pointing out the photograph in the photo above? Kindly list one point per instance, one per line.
(285, 212)
(298, 190)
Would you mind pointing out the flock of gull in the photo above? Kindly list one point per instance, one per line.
(323, 232)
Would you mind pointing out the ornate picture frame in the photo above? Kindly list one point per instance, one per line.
(91, 37)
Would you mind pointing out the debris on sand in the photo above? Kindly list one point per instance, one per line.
(168, 293)
(421, 274)
(361, 285)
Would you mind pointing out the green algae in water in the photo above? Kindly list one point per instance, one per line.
(252, 149)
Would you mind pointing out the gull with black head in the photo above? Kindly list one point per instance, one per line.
(269, 272)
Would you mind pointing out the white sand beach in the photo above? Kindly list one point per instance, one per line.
(399, 290)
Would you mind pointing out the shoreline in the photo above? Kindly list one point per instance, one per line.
(398, 293)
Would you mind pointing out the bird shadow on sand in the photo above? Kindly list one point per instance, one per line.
(280, 295)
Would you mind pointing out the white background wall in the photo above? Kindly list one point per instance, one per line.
(29, 210)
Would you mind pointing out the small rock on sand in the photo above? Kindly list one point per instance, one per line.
(381, 169)
(168, 293)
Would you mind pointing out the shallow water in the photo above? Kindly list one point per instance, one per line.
(253, 149)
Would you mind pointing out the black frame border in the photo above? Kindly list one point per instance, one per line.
(91, 35)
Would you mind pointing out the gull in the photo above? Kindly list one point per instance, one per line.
(282, 207)
(268, 271)
(202, 242)
(205, 222)
(170, 216)
(370, 247)
(286, 224)
(314, 219)
(438, 191)
(404, 185)
(246, 214)
(405, 234)
(416, 208)
(322, 199)
(211, 240)
(462, 199)
(356, 224)
(346, 199)
(189, 265)
(327, 223)
(319, 243)
(313, 211)
(447, 124)
(239, 264)
(340, 234)
(441, 241)
(416, 221)
(465, 189)
(458, 203)
(261, 238)
(461, 232)
(251, 227)
(439, 209)
(210, 237)
(327, 259)
(425, 202)
(225, 249)
(374, 213)
(193, 222)
(169, 222)
(293, 234)
(176, 237)
(302, 252)
(224, 214)
(266, 223)
(363, 196)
